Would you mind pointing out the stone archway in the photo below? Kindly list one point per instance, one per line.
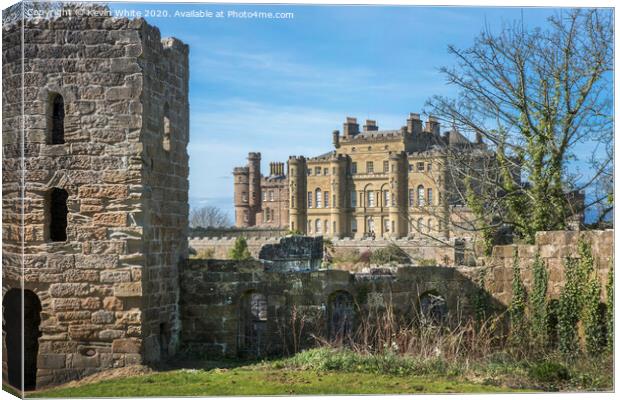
(14, 330)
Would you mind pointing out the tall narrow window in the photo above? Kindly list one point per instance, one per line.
(353, 168)
(56, 119)
(386, 166)
(420, 196)
(353, 225)
(369, 167)
(326, 199)
(318, 198)
(429, 196)
(371, 199)
(309, 199)
(317, 226)
(326, 225)
(167, 129)
(386, 198)
(353, 199)
(58, 215)
(411, 198)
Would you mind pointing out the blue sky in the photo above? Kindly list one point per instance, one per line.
(281, 87)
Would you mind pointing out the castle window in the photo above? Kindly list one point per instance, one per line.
(167, 128)
(326, 199)
(410, 167)
(309, 199)
(371, 198)
(386, 166)
(317, 170)
(57, 214)
(420, 167)
(271, 195)
(369, 167)
(326, 171)
(56, 119)
(317, 226)
(429, 196)
(420, 196)
(353, 199)
(244, 197)
(386, 225)
(411, 197)
(429, 167)
(326, 225)
(309, 171)
(353, 225)
(353, 168)
(264, 196)
(318, 198)
(266, 214)
(386, 198)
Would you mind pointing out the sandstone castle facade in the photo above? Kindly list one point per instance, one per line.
(381, 183)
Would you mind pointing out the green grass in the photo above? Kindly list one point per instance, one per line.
(265, 380)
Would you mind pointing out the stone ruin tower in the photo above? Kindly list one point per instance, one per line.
(95, 195)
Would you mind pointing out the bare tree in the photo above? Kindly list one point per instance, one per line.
(208, 217)
(535, 95)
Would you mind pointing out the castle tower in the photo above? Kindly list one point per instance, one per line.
(254, 183)
(241, 196)
(338, 165)
(398, 187)
(105, 194)
(297, 191)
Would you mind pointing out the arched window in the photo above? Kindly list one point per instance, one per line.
(326, 225)
(433, 308)
(318, 198)
(253, 323)
(341, 316)
(56, 119)
(420, 195)
(317, 226)
(166, 139)
(57, 215)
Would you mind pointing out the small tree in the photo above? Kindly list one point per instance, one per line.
(240, 250)
(208, 217)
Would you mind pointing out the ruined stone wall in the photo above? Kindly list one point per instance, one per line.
(418, 249)
(554, 247)
(100, 287)
(212, 306)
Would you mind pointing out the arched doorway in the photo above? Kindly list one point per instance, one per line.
(341, 313)
(15, 330)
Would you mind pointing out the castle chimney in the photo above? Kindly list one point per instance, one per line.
(414, 123)
(350, 128)
(336, 138)
(432, 125)
(281, 168)
(371, 125)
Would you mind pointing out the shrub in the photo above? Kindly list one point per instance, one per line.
(609, 288)
(548, 372)
(204, 253)
(240, 250)
(391, 253)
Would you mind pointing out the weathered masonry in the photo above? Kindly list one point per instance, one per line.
(103, 187)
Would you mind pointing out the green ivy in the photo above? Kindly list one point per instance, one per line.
(591, 318)
(609, 288)
(518, 303)
(538, 303)
(480, 298)
(569, 307)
